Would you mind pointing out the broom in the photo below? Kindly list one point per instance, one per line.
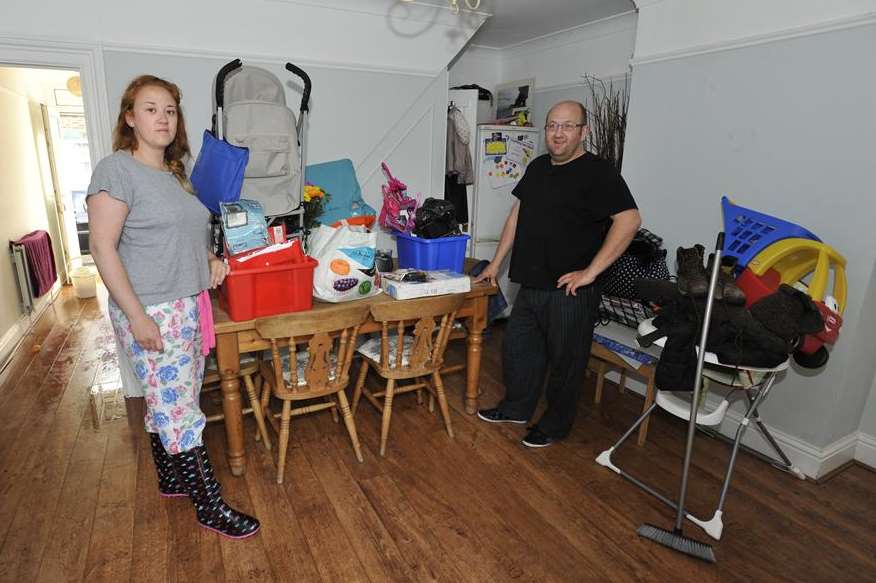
(675, 538)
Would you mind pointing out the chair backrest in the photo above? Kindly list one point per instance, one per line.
(427, 350)
(330, 347)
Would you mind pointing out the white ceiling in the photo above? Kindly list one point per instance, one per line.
(515, 21)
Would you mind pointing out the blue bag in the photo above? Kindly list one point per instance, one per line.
(218, 172)
(338, 178)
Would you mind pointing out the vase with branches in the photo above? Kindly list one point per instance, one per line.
(607, 112)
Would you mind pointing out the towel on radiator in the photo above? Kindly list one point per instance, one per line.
(40, 261)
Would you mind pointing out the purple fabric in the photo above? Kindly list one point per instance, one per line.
(40, 261)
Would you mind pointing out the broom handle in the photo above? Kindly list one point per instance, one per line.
(698, 381)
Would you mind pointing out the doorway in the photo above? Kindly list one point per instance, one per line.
(50, 103)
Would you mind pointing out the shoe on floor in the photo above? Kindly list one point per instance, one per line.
(496, 416)
(537, 438)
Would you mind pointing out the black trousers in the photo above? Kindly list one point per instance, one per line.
(548, 330)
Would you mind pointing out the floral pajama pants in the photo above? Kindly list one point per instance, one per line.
(171, 378)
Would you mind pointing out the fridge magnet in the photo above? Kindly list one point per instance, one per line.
(495, 145)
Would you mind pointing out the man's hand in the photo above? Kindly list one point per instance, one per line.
(489, 274)
(146, 333)
(575, 279)
(218, 271)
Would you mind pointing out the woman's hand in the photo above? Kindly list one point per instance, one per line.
(146, 333)
(218, 271)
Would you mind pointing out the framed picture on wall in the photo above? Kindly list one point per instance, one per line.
(514, 97)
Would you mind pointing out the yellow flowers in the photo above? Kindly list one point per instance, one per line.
(311, 191)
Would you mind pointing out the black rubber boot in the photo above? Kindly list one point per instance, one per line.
(196, 473)
(169, 486)
(692, 278)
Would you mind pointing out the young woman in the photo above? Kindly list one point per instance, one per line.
(150, 241)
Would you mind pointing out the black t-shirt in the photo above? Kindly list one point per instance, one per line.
(565, 213)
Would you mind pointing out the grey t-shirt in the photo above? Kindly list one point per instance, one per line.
(165, 237)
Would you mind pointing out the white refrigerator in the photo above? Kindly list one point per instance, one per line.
(501, 156)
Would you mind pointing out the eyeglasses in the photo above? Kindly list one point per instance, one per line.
(566, 127)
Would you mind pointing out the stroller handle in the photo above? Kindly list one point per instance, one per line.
(305, 98)
(220, 80)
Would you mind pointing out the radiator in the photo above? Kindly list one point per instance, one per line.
(25, 290)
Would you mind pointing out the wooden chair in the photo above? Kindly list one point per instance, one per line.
(323, 375)
(423, 357)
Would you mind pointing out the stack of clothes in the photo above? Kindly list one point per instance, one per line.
(762, 335)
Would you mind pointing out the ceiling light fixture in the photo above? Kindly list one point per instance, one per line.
(74, 85)
(454, 5)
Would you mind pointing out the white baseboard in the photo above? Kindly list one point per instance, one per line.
(813, 461)
(865, 452)
(10, 340)
(13, 336)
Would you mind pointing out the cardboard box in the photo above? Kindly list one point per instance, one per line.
(438, 283)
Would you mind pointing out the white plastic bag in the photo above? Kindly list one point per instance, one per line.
(346, 263)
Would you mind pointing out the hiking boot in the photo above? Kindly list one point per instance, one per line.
(496, 416)
(726, 289)
(692, 278)
(727, 281)
(537, 438)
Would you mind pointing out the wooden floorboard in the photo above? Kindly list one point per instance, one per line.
(79, 503)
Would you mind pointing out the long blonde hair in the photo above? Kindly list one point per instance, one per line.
(125, 139)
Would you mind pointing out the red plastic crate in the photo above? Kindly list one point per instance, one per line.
(255, 293)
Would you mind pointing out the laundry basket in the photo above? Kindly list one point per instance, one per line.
(749, 232)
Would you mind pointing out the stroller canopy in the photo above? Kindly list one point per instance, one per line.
(256, 117)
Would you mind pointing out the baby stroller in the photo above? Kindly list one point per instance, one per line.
(251, 112)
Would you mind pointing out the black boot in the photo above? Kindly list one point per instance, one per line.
(194, 469)
(169, 486)
(692, 278)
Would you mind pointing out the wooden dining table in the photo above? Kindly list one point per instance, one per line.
(236, 338)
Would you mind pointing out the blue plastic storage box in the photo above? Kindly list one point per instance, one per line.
(431, 254)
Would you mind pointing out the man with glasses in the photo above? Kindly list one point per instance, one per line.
(574, 216)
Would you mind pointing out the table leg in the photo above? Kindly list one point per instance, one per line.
(475, 340)
(649, 399)
(600, 381)
(473, 371)
(228, 363)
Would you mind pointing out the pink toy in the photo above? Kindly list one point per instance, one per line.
(397, 212)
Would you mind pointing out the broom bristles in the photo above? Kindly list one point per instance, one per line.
(677, 541)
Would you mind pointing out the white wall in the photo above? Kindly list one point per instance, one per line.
(557, 61)
(784, 126)
(866, 451)
(601, 48)
(671, 26)
(480, 66)
(21, 205)
(375, 34)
